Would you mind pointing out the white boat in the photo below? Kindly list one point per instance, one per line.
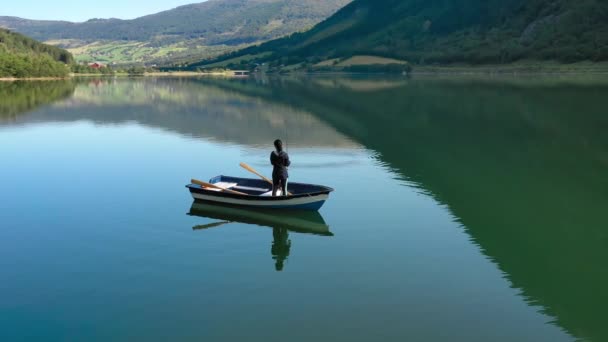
(257, 193)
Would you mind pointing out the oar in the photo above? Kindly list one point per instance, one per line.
(252, 170)
(210, 225)
(213, 186)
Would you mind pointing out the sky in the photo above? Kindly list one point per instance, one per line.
(79, 10)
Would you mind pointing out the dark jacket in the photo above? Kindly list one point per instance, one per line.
(280, 162)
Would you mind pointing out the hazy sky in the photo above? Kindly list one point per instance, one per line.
(80, 10)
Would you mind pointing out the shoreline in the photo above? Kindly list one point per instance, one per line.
(13, 79)
(153, 74)
(523, 69)
(148, 74)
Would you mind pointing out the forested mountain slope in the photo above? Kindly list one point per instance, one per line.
(451, 31)
(21, 56)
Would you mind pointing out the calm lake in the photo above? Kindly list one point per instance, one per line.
(465, 210)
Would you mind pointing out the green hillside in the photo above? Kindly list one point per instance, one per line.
(21, 56)
(204, 29)
(447, 31)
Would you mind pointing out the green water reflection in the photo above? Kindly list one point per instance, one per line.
(21, 97)
(522, 164)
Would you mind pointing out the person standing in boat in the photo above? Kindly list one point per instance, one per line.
(280, 162)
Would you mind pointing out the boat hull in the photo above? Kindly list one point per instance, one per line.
(302, 203)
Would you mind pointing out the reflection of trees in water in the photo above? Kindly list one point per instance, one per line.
(522, 164)
(281, 246)
(24, 96)
(194, 108)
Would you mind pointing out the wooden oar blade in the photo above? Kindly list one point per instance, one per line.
(252, 170)
(204, 184)
(213, 186)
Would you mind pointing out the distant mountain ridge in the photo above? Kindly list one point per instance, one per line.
(450, 31)
(210, 23)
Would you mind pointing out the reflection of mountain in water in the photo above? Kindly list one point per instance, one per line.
(194, 109)
(522, 165)
(21, 97)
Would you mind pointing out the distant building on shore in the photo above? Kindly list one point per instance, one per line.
(96, 65)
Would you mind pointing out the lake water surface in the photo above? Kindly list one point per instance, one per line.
(465, 210)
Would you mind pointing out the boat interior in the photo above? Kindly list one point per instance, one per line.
(255, 187)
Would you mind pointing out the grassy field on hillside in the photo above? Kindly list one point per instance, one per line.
(359, 60)
(133, 52)
(236, 60)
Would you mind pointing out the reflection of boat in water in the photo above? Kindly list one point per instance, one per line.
(309, 222)
(281, 222)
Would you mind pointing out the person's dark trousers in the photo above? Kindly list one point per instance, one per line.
(279, 183)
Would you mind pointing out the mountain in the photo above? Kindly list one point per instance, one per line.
(209, 27)
(449, 31)
(21, 56)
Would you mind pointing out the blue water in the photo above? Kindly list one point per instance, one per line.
(96, 243)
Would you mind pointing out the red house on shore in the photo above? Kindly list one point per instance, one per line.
(96, 65)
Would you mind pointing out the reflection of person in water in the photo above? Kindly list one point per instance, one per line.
(280, 247)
